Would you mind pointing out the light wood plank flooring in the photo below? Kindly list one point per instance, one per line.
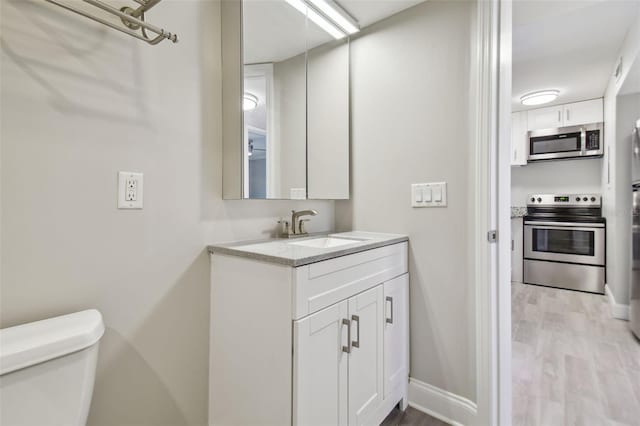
(573, 363)
(411, 417)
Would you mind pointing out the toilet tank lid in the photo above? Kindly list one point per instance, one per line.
(35, 342)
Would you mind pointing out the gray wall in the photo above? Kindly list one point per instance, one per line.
(410, 101)
(79, 103)
(568, 176)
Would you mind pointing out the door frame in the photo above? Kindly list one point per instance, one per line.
(491, 182)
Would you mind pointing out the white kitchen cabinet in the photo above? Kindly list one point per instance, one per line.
(573, 114)
(544, 118)
(321, 344)
(585, 112)
(519, 140)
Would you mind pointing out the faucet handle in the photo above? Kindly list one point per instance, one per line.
(285, 226)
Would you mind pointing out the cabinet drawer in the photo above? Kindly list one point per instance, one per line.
(324, 283)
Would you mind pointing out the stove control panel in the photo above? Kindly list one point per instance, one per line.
(569, 200)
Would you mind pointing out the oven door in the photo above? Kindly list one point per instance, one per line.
(582, 243)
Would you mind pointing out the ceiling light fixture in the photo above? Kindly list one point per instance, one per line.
(337, 14)
(249, 101)
(318, 19)
(540, 97)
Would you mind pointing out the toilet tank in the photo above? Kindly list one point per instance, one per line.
(47, 370)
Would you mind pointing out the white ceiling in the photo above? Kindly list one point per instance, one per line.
(275, 31)
(367, 12)
(567, 45)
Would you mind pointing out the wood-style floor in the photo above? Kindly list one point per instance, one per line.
(411, 417)
(573, 363)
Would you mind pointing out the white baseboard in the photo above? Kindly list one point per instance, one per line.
(618, 311)
(443, 405)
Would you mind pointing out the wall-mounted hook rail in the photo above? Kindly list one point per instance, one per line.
(132, 19)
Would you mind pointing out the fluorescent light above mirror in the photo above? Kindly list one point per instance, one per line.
(540, 97)
(318, 19)
(337, 14)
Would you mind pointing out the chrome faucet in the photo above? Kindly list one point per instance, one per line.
(296, 227)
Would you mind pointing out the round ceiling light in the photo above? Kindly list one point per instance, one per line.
(540, 97)
(249, 101)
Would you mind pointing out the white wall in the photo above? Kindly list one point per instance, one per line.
(410, 97)
(79, 103)
(553, 177)
(615, 183)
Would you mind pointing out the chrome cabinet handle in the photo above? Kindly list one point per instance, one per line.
(568, 116)
(356, 319)
(390, 300)
(559, 116)
(347, 348)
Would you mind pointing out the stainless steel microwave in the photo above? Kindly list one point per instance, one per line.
(567, 142)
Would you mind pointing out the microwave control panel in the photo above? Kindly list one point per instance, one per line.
(593, 140)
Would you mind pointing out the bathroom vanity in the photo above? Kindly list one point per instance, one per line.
(310, 331)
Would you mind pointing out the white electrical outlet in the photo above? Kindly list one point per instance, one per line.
(429, 194)
(130, 190)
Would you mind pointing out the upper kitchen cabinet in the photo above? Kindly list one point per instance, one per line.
(519, 138)
(586, 112)
(573, 114)
(544, 118)
(285, 103)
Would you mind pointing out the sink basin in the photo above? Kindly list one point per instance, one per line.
(325, 242)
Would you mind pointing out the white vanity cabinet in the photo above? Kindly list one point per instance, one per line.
(325, 343)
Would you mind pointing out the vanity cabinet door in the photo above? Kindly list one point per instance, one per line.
(396, 334)
(366, 358)
(320, 367)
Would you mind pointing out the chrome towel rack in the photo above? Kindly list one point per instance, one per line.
(133, 20)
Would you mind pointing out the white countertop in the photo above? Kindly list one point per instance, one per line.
(282, 251)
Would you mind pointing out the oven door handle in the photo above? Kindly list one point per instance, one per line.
(567, 225)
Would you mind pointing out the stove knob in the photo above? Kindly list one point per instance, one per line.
(539, 199)
(577, 198)
(593, 198)
(585, 199)
(533, 200)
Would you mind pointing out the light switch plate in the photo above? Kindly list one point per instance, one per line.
(420, 194)
(130, 190)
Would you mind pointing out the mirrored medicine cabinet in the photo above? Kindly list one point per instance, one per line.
(285, 103)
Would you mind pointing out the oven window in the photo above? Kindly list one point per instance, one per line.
(557, 143)
(565, 241)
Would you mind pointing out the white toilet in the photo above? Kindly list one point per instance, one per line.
(47, 370)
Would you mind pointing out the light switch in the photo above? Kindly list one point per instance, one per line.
(429, 194)
(437, 194)
(426, 194)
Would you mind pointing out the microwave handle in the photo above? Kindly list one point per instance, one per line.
(583, 140)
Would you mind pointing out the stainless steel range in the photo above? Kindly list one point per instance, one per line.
(564, 242)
